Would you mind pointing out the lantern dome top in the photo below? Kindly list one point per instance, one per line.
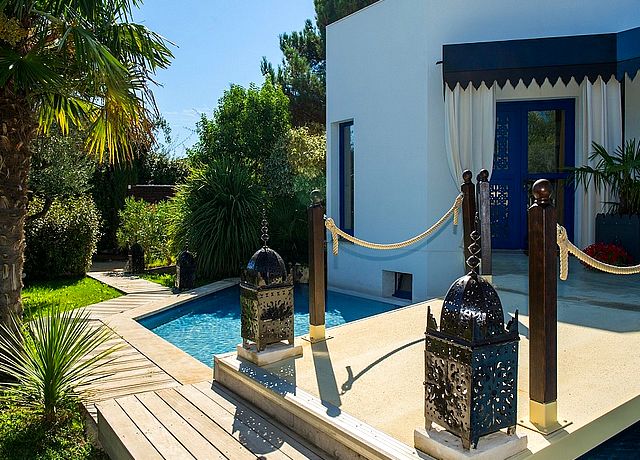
(265, 268)
(472, 311)
(186, 258)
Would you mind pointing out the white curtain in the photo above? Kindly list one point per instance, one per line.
(602, 123)
(470, 120)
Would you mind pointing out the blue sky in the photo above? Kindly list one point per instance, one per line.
(218, 42)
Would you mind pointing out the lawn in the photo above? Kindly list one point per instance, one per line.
(166, 279)
(69, 293)
(169, 280)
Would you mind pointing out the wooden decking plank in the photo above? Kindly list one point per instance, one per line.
(120, 391)
(164, 442)
(245, 434)
(120, 436)
(190, 438)
(223, 441)
(291, 444)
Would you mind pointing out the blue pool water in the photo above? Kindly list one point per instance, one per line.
(211, 324)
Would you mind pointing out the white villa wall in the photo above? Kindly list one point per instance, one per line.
(382, 73)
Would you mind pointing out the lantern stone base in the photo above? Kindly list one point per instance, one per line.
(271, 354)
(441, 444)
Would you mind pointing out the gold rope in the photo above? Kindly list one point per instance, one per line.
(336, 232)
(567, 247)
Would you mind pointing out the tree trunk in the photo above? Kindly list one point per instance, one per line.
(17, 127)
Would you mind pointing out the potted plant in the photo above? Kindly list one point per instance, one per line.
(618, 172)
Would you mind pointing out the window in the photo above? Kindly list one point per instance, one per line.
(346, 176)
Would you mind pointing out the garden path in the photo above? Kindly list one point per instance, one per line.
(143, 412)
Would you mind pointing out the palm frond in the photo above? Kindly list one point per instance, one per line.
(33, 71)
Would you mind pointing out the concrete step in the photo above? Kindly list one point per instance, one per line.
(321, 423)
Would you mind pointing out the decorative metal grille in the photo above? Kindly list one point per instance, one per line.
(471, 362)
(267, 315)
(501, 153)
(500, 215)
(494, 387)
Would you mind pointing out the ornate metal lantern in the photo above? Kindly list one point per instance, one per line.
(471, 362)
(136, 258)
(266, 298)
(185, 270)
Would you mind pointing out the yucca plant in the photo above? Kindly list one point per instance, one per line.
(51, 357)
(618, 172)
(218, 214)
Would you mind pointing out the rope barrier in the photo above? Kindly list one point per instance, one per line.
(336, 232)
(567, 247)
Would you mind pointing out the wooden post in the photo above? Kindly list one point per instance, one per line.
(543, 276)
(468, 211)
(484, 211)
(317, 267)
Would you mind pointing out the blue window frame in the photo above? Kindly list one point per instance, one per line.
(346, 176)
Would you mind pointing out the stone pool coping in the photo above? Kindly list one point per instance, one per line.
(176, 362)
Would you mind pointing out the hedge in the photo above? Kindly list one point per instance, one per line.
(62, 242)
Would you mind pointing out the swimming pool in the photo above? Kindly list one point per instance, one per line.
(211, 324)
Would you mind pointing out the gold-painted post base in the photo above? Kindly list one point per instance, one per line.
(317, 333)
(543, 418)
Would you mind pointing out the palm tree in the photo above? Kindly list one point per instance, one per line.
(70, 63)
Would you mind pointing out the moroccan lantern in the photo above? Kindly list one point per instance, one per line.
(266, 298)
(471, 361)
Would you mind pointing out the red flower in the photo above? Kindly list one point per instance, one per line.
(608, 253)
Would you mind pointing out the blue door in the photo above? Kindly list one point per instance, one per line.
(534, 140)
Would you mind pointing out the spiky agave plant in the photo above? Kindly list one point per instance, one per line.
(51, 358)
(618, 172)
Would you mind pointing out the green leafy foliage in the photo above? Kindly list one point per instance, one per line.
(148, 225)
(302, 71)
(66, 294)
(60, 166)
(246, 126)
(301, 75)
(618, 172)
(292, 172)
(218, 216)
(152, 165)
(25, 435)
(61, 243)
(50, 363)
(110, 184)
(307, 154)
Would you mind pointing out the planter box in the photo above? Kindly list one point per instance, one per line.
(620, 229)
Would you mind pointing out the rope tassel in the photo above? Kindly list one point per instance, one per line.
(336, 232)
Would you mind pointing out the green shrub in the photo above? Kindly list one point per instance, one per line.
(148, 225)
(218, 214)
(61, 243)
(52, 360)
(247, 125)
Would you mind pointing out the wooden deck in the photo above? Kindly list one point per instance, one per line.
(142, 412)
(194, 422)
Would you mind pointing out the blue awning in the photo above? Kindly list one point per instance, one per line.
(579, 57)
